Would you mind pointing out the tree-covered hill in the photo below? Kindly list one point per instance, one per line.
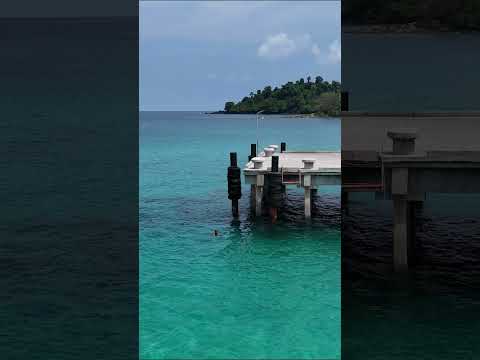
(300, 97)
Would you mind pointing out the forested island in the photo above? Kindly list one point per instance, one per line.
(317, 97)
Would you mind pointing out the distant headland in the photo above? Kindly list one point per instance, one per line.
(312, 98)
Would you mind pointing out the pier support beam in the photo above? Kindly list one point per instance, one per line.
(403, 143)
(400, 234)
(252, 196)
(404, 237)
(259, 194)
(308, 201)
(307, 182)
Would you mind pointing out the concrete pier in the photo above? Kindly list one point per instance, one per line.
(413, 166)
(305, 169)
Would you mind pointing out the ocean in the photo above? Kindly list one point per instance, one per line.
(256, 291)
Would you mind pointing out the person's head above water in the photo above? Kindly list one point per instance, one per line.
(215, 232)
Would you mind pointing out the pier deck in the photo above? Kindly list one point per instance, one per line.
(303, 169)
(404, 157)
(325, 163)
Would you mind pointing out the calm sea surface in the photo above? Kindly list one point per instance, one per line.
(256, 291)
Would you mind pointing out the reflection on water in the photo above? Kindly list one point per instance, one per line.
(430, 313)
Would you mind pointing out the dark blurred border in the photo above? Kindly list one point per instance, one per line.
(410, 65)
(69, 182)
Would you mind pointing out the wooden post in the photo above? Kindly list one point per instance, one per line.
(283, 147)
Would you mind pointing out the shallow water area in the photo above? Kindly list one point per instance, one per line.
(255, 291)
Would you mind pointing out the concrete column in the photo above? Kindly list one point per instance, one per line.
(259, 194)
(403, 210)
(258, 200)
(308, 214)
(307, 182)
(411, 232)
(252, 196)
(414, 245)
(400, 233)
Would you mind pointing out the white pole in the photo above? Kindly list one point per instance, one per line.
(258, 149)
(261, 111)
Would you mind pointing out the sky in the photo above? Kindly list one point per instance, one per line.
(196, 55)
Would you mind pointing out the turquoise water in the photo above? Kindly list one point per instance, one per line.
(257, 290)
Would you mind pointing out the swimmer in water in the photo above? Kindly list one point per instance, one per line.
(215, 232)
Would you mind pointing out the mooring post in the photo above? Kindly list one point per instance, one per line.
(234, 183)
(253, 151)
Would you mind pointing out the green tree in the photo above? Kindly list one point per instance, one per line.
(229, 106)
(292, 97)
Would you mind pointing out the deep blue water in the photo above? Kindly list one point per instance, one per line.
(257, 290)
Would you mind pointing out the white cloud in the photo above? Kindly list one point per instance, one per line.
(316, 51)
(332, 56)
(276, 46)
(335, 52)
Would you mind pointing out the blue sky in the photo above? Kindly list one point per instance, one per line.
(196, 55)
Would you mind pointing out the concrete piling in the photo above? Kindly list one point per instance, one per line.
(307, 185)
(274, 189)
(403, 209)
(260, 182)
